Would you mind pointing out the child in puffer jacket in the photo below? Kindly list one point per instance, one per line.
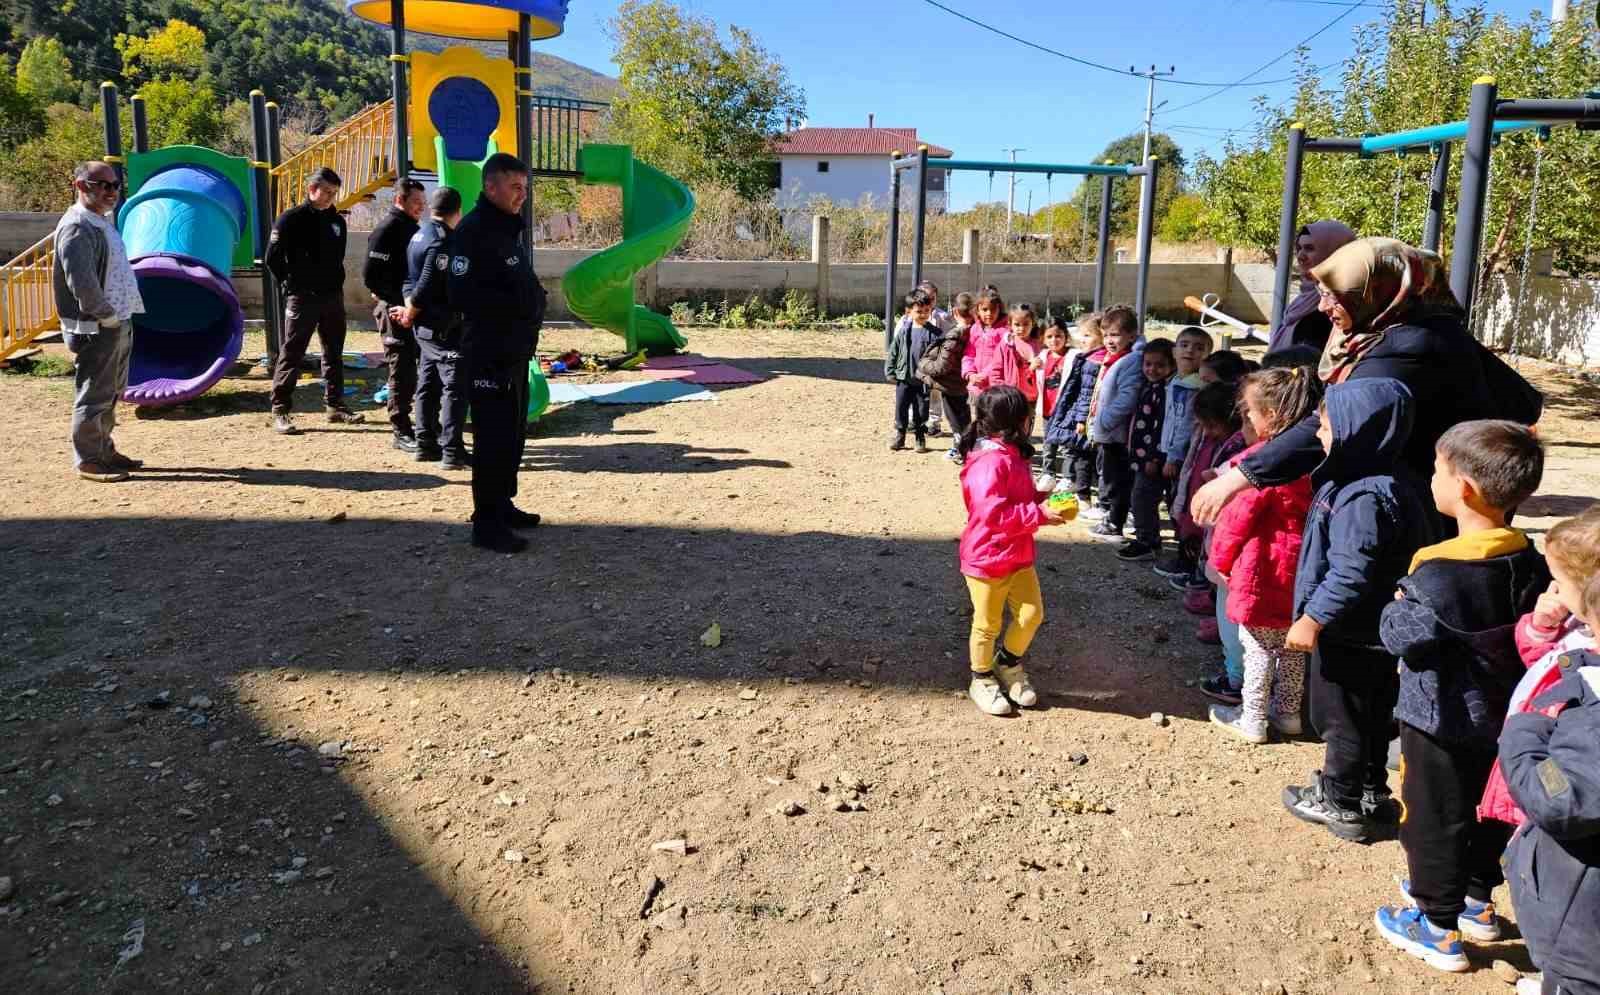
(1254, 549)
(984, 340)
(1558, 625)
(1068, 454)
(1551, 759)
(1116, 394)
(1004, 510)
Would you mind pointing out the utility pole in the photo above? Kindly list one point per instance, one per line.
(1559, 9)
(1011, 197)
(1150, 104)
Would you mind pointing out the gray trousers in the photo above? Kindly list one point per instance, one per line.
(102, 376)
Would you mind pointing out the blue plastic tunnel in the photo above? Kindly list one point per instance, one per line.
(180, 229)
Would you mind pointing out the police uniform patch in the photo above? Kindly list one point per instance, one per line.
(441, 262)
(458, 265)
(1553, 778)
(513, 260)
(337, 231)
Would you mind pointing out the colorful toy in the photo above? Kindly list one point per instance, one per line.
(1063, 503)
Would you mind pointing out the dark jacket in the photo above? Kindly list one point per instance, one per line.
(1367, 518)
(493, 287)
(427, 283)
(906, 349)
(306, 250)
(385, 271)
(941, 364)
(1551, 759)
(1072, 407)
(1453, 632)
(1439, 363)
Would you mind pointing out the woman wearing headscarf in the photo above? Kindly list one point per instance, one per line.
(1392, 315)
(1303, 323)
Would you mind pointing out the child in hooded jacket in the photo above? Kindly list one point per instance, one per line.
(1004, 510)
(1068, 454)
(1144, 450)
(1255, 548)
(940, 369)
(1189, 351)
(1550, 755)
(1451, 623)
(1368, 518)
(1559, 625)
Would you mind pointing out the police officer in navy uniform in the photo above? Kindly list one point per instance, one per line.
(306, 254)
(501, 302)
(385, 275)
(441, 402)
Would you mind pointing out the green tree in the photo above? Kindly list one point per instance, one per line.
(44, 72)
(690, 104)
(183, 113)
(1125, 193)
(37, 174)
(1407, 74)
(175, 51)
(1185, 219)
(21, 116)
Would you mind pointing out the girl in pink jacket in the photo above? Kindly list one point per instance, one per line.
(1004, 510)
(984, 340)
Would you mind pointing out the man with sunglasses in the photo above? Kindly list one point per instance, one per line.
(97, 296)
(306, 254)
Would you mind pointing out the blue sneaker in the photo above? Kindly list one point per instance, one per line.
(1479, 921)
(1411, 931)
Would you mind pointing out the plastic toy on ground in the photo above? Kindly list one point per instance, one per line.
(183, 226)
(655, 215)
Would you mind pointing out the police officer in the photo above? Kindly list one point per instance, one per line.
(493, 286)
(441, 403)
(306, 254)
(385, 274)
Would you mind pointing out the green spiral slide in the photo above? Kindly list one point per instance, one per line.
(655, 215)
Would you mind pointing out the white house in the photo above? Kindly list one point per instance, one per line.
(849, 164)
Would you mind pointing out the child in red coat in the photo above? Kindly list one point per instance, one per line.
(1255, 546)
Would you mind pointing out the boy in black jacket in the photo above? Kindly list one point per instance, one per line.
(1551, 759)
(1366, 519)
(1451, 625)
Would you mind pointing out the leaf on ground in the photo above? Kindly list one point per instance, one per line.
(712, 637)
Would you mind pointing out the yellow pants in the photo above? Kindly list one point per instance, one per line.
(989, 599)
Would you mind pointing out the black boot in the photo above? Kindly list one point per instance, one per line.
(516, 518)
(897, 441)
(498, 540)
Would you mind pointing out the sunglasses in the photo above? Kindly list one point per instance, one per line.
(106, 185)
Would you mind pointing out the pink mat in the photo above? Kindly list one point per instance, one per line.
(719, 373)
(678, 362)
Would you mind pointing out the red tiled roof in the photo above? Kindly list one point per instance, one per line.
(853, 141)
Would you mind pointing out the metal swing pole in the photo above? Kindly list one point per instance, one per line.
(397, 86)
(894, 248)
(922, 216)
(1474, 190)
(1104, 243)
(1433, 225)
(1147, 220)
(1290, 211)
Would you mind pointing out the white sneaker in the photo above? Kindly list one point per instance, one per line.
(1044, 482)
(1014, 680)
(1094, 513)
(988, 696)
(1286, 725)
(1531, 985)
(1233, 720)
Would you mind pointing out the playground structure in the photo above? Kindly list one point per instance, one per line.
(195, 218)
(1107, 172)
(1488, 117)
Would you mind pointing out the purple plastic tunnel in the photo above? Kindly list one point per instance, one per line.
(180, 229)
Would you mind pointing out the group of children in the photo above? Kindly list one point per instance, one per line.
(1330, 596)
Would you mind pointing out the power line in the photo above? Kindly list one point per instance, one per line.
(1087, 62)
(1348, 10)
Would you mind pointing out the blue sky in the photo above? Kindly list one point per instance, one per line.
(976, 93)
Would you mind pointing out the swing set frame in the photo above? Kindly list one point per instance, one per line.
(1108, 172)
(1488, 116)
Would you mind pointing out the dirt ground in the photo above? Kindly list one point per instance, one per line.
(265, 701)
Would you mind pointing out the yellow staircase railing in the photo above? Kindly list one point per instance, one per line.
(27, 296)
(361, 151)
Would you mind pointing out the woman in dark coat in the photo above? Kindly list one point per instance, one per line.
(1392, 315)
(1303, 323)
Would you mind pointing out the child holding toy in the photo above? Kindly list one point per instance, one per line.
(1004, 510)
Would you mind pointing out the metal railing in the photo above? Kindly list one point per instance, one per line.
(560, 126)
(27, 296)
(361, 151)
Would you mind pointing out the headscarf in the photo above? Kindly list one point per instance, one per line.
(1327, 236)
(1382, 282)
